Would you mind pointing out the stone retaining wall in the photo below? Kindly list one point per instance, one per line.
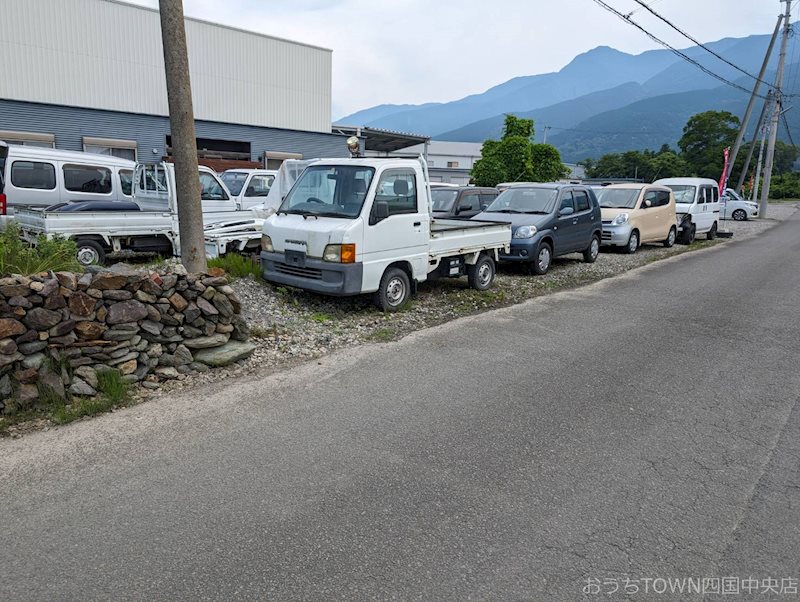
(57, 330)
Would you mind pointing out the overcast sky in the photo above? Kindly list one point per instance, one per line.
(414, 51)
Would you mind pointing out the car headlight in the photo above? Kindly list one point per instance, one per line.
(340, 253)
(525, 232)
(622, 218)
(266, 244)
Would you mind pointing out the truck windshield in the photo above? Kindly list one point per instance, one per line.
(234, 181)
(683, 193)
(442, 198)
(329, 190)
(524, 200)
(618, 198)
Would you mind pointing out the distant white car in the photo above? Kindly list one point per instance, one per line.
(736, 208)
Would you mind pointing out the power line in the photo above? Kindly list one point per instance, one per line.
(673, 49)
(698, 43)
(788, 131)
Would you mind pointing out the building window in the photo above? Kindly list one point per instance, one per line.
(33, 174)
(274, 159)
(452, 164)
(124, 149)
(87, 178)
(28, 139)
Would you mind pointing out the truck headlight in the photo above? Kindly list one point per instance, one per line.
(266, 243)
(622, 218)
(340, 253)
(525, 232)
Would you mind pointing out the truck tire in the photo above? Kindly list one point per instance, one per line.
(712, 234)
(90, 252)
(481, 275)
(394, 291)
(687, 236)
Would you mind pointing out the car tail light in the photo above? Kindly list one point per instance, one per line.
(3, 202)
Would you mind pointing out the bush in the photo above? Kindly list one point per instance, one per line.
(18, 257)
(237, 266)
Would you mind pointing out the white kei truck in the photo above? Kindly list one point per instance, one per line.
(148, 222)
(364, 225)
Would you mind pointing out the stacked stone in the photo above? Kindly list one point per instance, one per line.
(57, 330)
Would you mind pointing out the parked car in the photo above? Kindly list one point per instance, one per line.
(248, 187)
(41, 177)
(506, 185)
(363, 225)
(696, 206)
(442, 185)
(736, 208)
(635, 214)
(547, 220)
(461, 202)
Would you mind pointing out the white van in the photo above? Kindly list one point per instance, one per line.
(249, 187)
(40, 177)
(696, 205)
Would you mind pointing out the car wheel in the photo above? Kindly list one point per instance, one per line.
(671, 237)
(688, 235)
(712, 234)
(90, 252)
(739, 215)
(394, 291)
(593, 250)
(633, 242)
(481, 275)
(544, 257)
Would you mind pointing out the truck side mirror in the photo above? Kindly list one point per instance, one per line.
(380, 211)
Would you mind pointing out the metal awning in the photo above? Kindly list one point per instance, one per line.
(383, 141)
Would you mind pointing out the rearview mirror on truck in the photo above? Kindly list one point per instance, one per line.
(380, 211)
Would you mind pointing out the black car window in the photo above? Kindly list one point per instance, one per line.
(714, 195)
(33, 174)
(650, 195)
(581, 201)
(398, 188)
(662, 198)
(701, 198)
(566, 201)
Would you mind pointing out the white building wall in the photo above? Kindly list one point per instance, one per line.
(441, 153)
(105, 54)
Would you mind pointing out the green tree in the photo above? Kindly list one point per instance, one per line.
(705, 136)
(515, 158)
(669, 165)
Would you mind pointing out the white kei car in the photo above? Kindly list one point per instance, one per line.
(734, 207)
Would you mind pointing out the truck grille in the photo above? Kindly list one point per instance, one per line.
(295, 270)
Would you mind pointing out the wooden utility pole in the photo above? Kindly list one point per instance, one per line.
(184, 142)
(777, 109)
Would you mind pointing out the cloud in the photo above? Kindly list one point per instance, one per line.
(414, 51)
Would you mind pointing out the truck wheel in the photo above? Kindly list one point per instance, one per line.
(593, 250)
(687, 237)
(544, 257)
(670, 241)
(90, 252)
(712, 234)
(481, 275)
(394, 291)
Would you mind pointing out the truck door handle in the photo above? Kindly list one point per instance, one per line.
(417, 224)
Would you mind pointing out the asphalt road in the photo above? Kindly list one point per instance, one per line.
(645, 427)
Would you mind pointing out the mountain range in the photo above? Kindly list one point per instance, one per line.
(603, 101)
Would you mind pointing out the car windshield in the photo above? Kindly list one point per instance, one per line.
(683, 193)
(329, 190)
(234, 181)
(524, 200)
(442, 198)
(618, 198)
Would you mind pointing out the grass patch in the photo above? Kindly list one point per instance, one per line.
(321, 317)
(111, 384)
(237, 266)
(19, 257)
(383, 335)
(64, 414)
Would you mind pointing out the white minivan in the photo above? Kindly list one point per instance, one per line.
(696, 206)
(40, 177)
(249, 187)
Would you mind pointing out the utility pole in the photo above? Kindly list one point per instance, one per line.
(546, 129)
(749, 111)
(763, 129)
(760, 127)
(776, 112)
(184, 142)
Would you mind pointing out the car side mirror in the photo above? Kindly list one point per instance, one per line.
(380, 211)
(484, 207)
(564, 211)
(647, 204)
(464, 207)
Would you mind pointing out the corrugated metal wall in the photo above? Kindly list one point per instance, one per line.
(70, 124)
(106, 54)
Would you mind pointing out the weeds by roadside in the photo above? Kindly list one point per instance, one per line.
(18, 257)
(237, 266)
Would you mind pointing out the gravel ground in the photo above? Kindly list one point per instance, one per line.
(293, 325)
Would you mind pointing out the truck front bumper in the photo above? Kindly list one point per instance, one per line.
(339, 279)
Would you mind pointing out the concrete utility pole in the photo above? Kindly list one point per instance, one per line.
(749, 111)
(760, 127)
(184, 142)
(763, 129)
(776, 112)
